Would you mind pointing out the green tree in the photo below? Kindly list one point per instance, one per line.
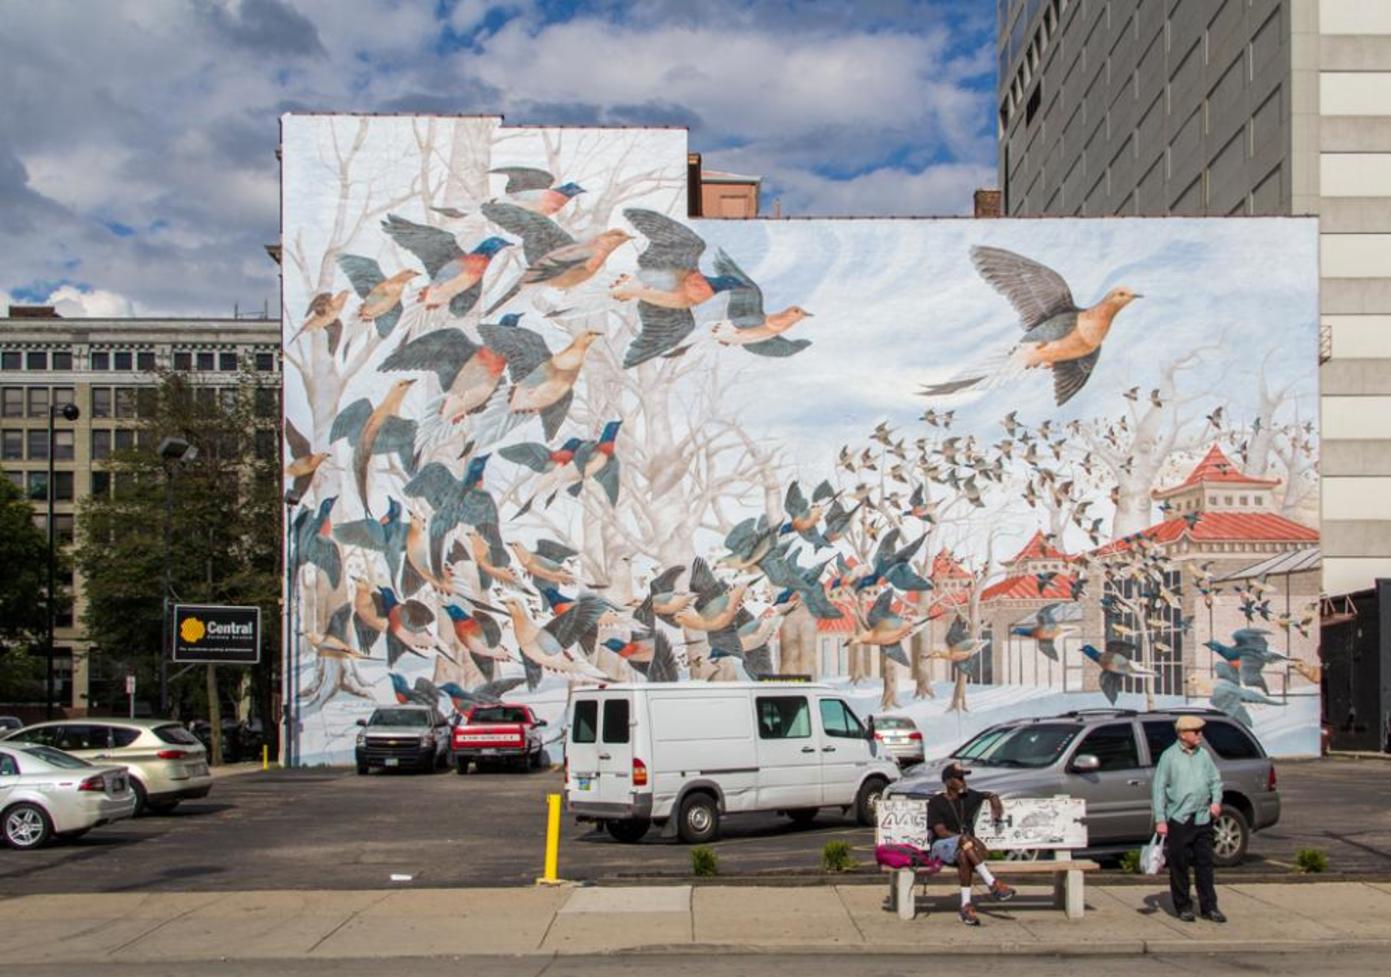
(224, 515)
(23, 615)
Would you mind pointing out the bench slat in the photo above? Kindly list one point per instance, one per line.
(1020, 868)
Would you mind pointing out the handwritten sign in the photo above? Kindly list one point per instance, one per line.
(1029, 822)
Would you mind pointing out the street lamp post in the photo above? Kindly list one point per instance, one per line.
(172, 452)
(290, 677)
(70, 413)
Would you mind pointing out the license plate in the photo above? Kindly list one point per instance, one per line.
(198, 770)
(391, 761)
(583, 783)
(488, 752)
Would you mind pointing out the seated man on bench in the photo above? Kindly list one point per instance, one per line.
(950, 817)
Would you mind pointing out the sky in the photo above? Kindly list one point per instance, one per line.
(137, 137)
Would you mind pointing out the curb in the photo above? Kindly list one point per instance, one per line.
(792, 880)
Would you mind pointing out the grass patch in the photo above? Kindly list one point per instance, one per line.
(1311, 860)
(836, 856)
(704, 863)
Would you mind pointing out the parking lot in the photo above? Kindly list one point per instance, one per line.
(330, 829)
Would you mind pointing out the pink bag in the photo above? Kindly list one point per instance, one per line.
(906, 856)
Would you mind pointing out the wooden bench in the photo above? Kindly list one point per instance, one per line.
(1052, 824)
(1067, 873)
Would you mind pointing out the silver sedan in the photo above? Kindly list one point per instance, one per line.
(45, 793)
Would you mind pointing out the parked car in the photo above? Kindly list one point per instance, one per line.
(413, 737)
(498, 732)
(1107, 757)
(46, 793)
(241, 740)
(9, 724)
(899, 739)
(167, 764)
(686, 756)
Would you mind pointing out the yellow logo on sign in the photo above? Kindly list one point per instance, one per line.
(192, 630)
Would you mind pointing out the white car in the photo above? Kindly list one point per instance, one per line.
(44, 792)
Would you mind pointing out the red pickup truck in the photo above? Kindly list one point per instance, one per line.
(498, 732)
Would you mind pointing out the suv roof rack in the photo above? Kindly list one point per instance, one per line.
(1079, 713)
(1190, 710)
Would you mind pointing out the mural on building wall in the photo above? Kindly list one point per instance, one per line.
(547, 430)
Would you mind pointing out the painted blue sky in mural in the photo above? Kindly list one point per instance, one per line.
(152, 146)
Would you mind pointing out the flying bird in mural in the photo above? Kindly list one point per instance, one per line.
(886, 628)
(649, 653)
(553, 257)
(323, 315)
(386, 536)
(1057, 333)
(1227, 694)
(477, 633)
(1116, 666)
(716, 609)
(423, 693)
(455, 501)
(891, 565)
(456, 277)
(663, 599)
(551, 463)
(747, 325)
(333, 642)
(548, 646)
(804, 518)
(1249, 653)
(535, 189)
(962, 649)
(783, 570)
(546, 562)
(376, 430)
(1046, 629)
(469, 374)
(313, 537)
(749, 543)
(304, 460)
(407, 626)
(596, 460)
(669, 284)
(542, 383)
(489, 566)
(380, 295)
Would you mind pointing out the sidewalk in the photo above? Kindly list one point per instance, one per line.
(154, 927)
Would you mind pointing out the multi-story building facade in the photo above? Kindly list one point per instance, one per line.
(1232, 107)
(104, 367)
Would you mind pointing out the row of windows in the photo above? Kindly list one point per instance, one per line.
(35, 485)
(32, 444)
(32, 401)
(124, 359)
(125, 402)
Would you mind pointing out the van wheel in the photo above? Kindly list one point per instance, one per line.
(803, 815)
(629, 831)
(700, 819)
(1230, 835)
(867, 800)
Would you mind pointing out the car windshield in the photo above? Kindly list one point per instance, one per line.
(892, 722)
(399, 717)
(55, 758)
(1034, 745)
(498, 714)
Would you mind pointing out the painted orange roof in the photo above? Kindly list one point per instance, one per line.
(1216, 467)
(1025, 587)
(1038, 549)
(946, 567)
(1212, 527)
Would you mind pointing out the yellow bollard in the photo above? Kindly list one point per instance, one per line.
(265, 757)
(552, 841)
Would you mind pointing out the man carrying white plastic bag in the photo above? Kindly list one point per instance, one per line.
(1187, 796)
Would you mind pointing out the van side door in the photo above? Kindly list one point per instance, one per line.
(789, 752)
(844, 751)
(615, 757)
(582, 750)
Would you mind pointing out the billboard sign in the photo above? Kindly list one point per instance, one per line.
(217, 635)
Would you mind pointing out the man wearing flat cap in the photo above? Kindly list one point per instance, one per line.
(951, 816)
(1187, 796)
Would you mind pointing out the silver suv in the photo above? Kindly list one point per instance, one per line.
(1107, 757)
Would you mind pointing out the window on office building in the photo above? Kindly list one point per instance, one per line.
(63, 523)
(62, 491)
(206, 361)
(12, 445)
(12, 402)
(123, 360)
(267, 401)
(183, 360)
(100, 360)
(101, 443)
(124, 439)
(15, 478)
(101, 483)
(38, 401)
(62, 359)
(36, 359)
(265, 443)
(125, 401)
(10, 360)
(227, 362)
(265, 362)
(227, 398)
(63, 444)
(146, 401)
(38, 443)
(62, 395)
(145, 360)
(38, 488)
(101, 401)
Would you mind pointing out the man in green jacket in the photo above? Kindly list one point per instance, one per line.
(1187, 796)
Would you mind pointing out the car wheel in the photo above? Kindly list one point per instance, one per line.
(27, 826)
(142, 798)
(629, 832)
(1230, 836)
(461, 766)
(803, 815)
(867, 800)
(700, 819)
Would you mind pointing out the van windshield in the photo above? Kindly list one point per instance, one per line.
(1034, 745)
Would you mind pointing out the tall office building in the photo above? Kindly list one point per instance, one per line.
(1232, 107)
(103, 366)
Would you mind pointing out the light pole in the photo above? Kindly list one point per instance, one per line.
(290, 679)
(70, 413)
(172, 452)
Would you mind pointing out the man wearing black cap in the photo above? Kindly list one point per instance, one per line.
(950, 816)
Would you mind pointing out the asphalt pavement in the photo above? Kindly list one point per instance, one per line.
(332, 830)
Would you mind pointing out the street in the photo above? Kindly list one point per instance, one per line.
(330, 829)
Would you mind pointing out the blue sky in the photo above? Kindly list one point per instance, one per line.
(137, 137)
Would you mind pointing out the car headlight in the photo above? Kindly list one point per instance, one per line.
(427, 739)
(361, 739)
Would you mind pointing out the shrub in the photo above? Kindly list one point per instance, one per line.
(1311, 860)
(1130, 862)
(836, 857)
(704, 864)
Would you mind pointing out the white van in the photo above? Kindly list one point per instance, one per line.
(684, 755)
